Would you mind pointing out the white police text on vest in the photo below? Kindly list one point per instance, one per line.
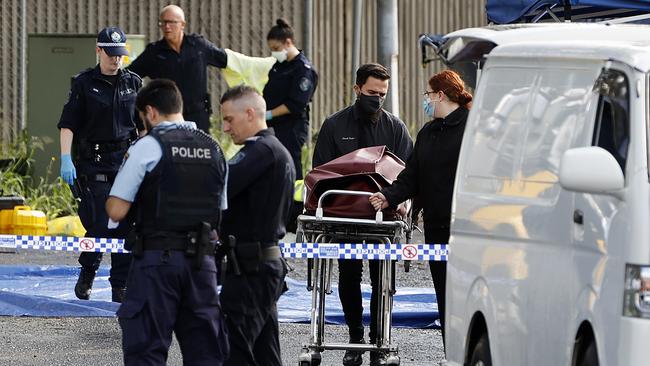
(191, 152)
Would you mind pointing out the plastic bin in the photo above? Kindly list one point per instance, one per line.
(22, 220)
(9, 202)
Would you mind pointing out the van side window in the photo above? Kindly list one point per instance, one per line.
(612, 128)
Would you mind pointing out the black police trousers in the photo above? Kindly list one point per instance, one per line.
(249, 301)
(93, 216)
(166, 294)
(350, 274)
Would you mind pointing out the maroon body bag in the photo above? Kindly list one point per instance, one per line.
(368, 169)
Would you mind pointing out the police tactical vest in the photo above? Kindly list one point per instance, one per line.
(186, 187)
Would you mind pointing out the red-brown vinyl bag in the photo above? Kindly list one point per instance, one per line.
(369, 169)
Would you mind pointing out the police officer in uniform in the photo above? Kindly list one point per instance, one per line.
(99, 121)
(260, 186)
(291, 85)
(175, 176)
(183, 58)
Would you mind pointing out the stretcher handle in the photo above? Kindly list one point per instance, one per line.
(379, 217)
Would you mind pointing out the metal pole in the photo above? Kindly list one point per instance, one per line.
(22, 62)
(307, 27)
(567, 11)
(307, 30)
(387, 48)
(356, 44)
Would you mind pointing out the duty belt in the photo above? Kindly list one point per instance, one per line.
(175, 244)
(266, 253)
(104, 178)
(105, 147)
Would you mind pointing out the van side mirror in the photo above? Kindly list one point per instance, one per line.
(591, 170)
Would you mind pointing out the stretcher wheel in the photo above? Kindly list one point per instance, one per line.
(307, 363)
(309, 358)
(392, 359)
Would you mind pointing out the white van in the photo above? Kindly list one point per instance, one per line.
(550, 237)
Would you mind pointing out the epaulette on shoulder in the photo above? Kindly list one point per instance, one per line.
(194, 37)
(84, 72)
(129, 72)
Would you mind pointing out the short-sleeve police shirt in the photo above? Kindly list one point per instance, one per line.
(142, 157)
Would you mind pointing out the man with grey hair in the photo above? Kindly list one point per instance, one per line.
(183, 58)
(260, 190)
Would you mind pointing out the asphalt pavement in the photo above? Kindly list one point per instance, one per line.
(32, 341)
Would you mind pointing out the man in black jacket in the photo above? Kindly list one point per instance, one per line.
(183, 58)
(363, 124)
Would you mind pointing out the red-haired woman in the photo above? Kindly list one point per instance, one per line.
(431, 169)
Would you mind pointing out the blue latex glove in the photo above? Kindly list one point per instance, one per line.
(68, 171)
(269, 116)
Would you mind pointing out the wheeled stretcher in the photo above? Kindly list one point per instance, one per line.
(337, 211)
(324, 229)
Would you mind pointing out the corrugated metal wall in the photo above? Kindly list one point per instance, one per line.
(242, 26)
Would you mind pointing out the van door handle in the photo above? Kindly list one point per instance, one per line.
(578, 217)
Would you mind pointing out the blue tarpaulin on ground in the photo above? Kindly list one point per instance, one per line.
(48, 291)
(510, 11)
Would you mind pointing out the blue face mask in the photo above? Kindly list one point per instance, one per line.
(429, 107)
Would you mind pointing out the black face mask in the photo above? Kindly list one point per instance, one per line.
(369, 104)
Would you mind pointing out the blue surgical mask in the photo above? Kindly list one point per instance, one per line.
(429, 107)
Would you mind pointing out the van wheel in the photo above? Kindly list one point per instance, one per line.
(481, 352)
(590, 357)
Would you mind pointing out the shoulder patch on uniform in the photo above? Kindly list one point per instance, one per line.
(305, 84)
(237, 158)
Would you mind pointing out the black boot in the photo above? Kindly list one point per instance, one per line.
(118, 294)
(84, 285)
(351, 357)
(377, 358)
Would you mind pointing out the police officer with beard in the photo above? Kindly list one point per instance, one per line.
(363, 124)
(97, 125)
(175, 177)
(260, 189)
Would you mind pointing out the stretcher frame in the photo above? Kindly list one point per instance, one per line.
(321, 229)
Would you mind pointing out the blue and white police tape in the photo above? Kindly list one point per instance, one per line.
(416, 252)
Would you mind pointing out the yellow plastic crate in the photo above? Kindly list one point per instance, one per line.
(22, 220)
